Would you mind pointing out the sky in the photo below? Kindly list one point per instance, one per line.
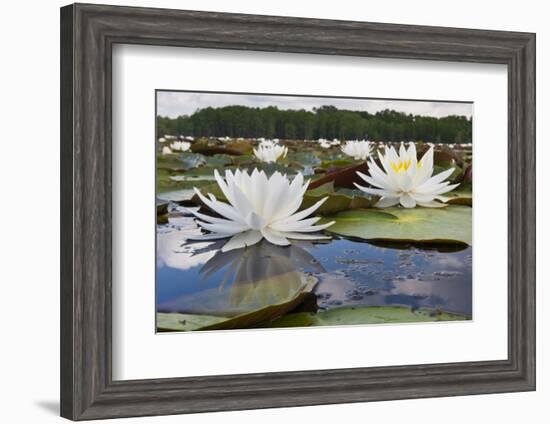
(175, 103)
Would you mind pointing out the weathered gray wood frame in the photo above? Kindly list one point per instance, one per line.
(88, 33)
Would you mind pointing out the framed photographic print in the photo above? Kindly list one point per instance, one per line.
(264, 211)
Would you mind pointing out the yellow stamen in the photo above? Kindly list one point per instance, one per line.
(400, 166)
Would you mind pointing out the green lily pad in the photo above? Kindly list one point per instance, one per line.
(191, 160)
(337, 163)
(461, 196)
(184, 322)
(365, 315)
(452, 224)
(218, 160)
(304, 159)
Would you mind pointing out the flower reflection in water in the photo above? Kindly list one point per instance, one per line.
(261, 277)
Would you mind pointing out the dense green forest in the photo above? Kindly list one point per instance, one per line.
(324, 122)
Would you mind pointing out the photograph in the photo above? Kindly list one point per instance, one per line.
(277, 211)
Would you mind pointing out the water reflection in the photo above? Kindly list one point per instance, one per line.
(240, 281)
(198, 278)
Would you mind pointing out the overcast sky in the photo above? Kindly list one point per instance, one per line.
(174, 103)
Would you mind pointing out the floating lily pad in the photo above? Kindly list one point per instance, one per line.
(304, 159)
(452, 224)
(462, 196)
(176, 196)
(337, 163)
(348, 315)
(233, 148)
(218, 160)
(365, 315)
(191, 160)
(184, 322)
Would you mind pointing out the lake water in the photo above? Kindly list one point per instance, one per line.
(197, 278)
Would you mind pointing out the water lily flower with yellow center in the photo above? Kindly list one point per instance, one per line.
(270, 152)
(259, 207)
(405, 180)
(358, 150)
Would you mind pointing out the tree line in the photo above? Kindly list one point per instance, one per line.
(324, 122)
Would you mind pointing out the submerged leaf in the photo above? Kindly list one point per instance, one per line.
(245, 305)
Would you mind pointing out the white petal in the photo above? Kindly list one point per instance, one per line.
(210, 236)
(432, 204)
(242, 204)
(422, 197)
(314, 228)
(407, 201)
(305, 236)
(294, 226)
(373, 191)
(274, 237)
(232, 228)
(208, 218)
(302, 214)
(223, 186)
(255, 221)
(278, 189)
(441, 176)
(221, 208)
(248, 238)
(386, 202)
(405, 182)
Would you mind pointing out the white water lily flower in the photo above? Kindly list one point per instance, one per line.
(335, 142)
(181, 146)
(325, 144)
(405, 180)
(259, 207)
(166, 150)
(269, 152)
(162, 140)
(268, 143)
(358, 150)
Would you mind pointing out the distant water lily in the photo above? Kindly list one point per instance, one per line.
(166, 150)
(270, 152)
(259, 207)
(335, 142)
(181, 146)
(405, 180)
(358, 150)
(325, 144)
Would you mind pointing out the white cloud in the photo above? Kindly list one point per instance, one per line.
(176, 103)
